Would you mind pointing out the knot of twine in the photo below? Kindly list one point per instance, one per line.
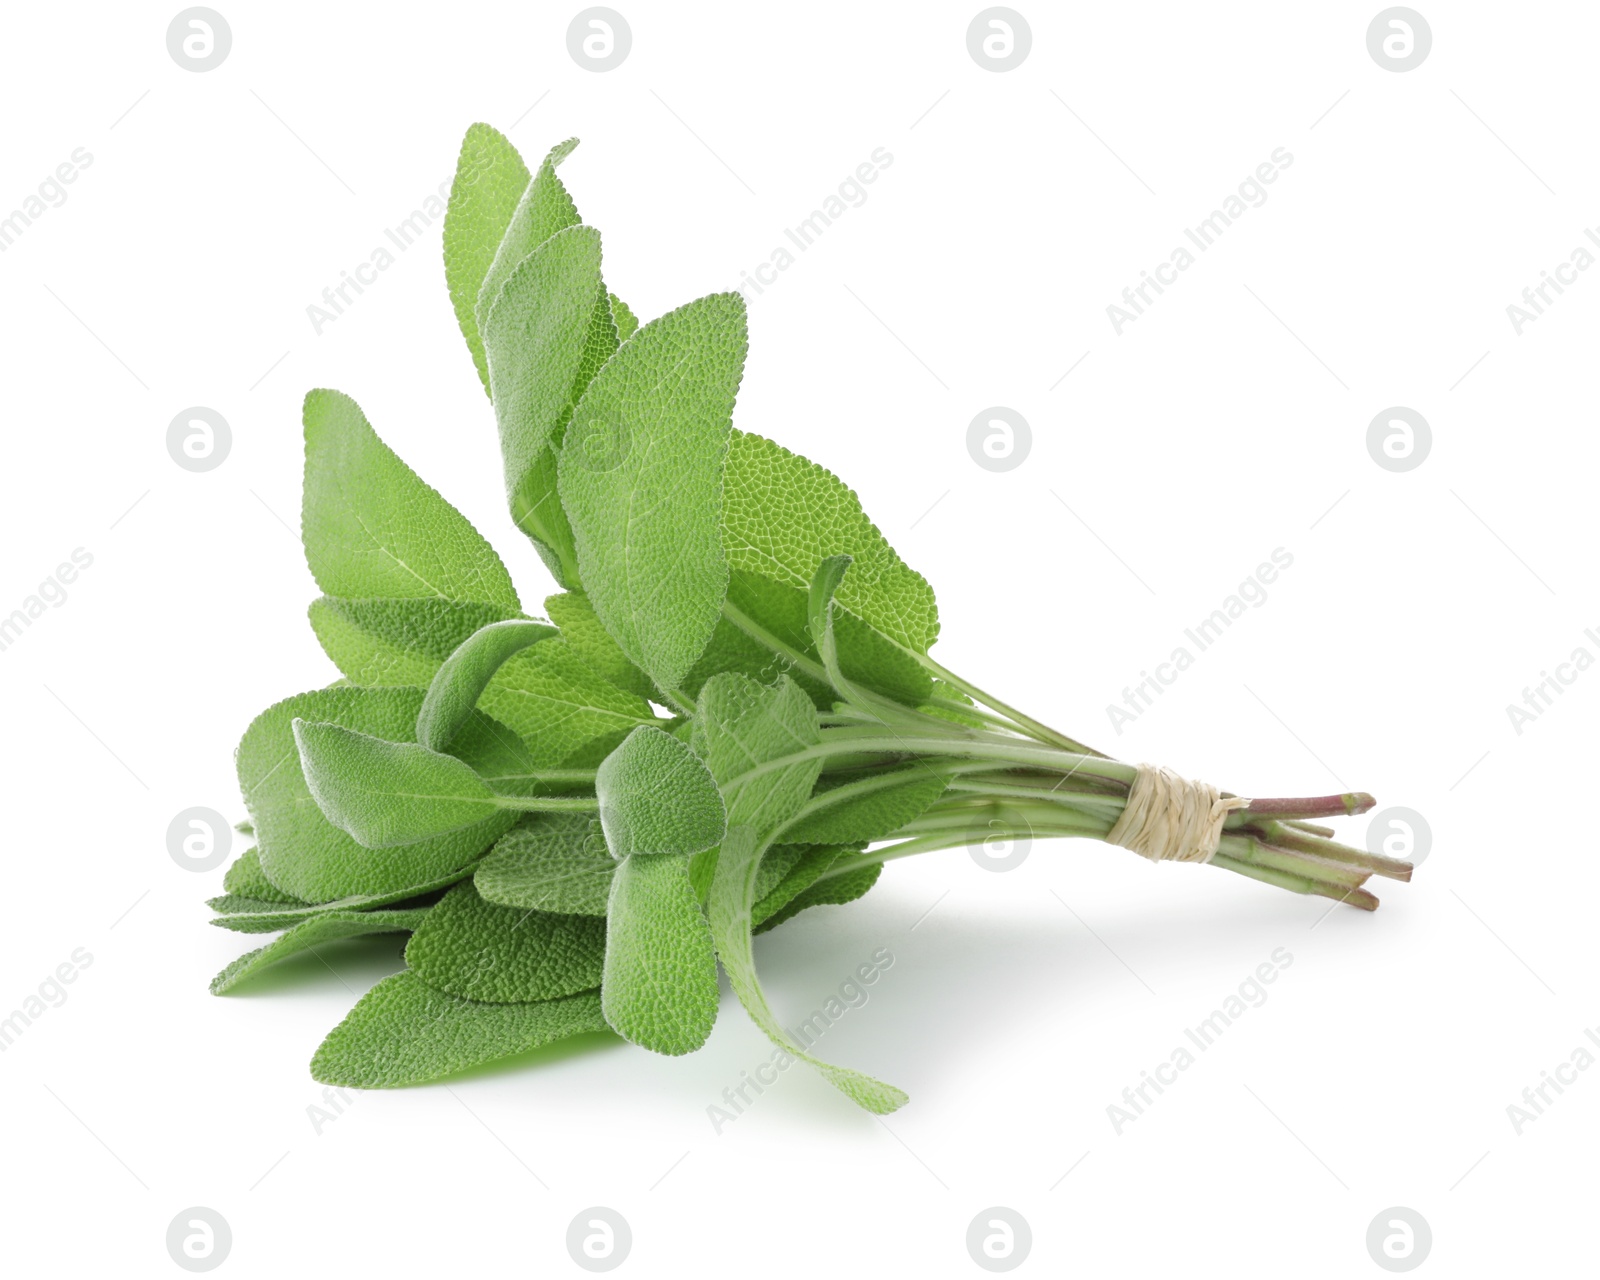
(1170, 819)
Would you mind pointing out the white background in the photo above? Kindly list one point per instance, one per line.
(1229, 420)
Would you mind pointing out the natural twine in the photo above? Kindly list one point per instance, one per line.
(1169, 818)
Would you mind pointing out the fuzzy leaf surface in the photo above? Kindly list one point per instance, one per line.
(833, 891)
(387, 793)
(505, 955)
(742, 730)
(660, 985)
(465, 674)
(490, 180)
(547, 334)
(543, 208)
(732, 899)
(405, 1032)
(784, 515)
(641, 481)
(657, 797)
(329, 926)
(304, 854)
(550, 862)
(582, 630)
(373, 528)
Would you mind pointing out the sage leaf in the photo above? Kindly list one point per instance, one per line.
(251, 915)
(246, 879)
(754, 739)
(829, 891)
(757, 741)
(389, 793)
(559, 707)
(503, 955)
(811, 864)
(660, 984)
(329, 926)
(373, 528)
(657, 797)
(397, 642)
(778, 614)
(547, 334)
(405, 1032)
(641, 481)
(783, 515)
(549, 862)
(304, 854)
(622, 318)
(543, 208)
(490, 180)
(465, 674)
(547, 694)
(861, 810)
(582, 630)
(732, 897)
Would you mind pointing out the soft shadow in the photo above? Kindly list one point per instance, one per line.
(351, 964)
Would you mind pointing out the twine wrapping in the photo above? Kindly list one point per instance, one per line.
(1170, 819)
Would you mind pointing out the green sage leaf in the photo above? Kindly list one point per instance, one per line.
(641, 482)
(304, 854)
(489, 183)
(329, 926)
(405, 1032)
(372, 528)
(389, 793)
(660, 984)
(783, 515)
(657, 797)
(730, 907)
(465, 674)
(505, 955)
(550, 862)
(548, 333)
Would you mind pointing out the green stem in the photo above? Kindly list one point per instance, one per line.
(745, 623)
(970, 744)
(1026, 723)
